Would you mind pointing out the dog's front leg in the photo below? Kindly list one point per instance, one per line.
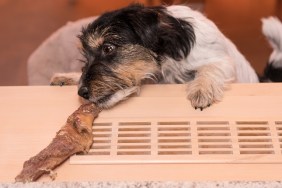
(209, 83)
(62, 79)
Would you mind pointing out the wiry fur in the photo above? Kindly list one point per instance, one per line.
(165, 44)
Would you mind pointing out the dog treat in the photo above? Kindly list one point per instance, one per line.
(74, 137)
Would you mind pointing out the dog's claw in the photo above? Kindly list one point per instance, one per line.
(57, 84)
(62, 84)
(202, 108)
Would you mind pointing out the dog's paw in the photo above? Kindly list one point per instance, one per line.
(203, 95)
(200, 99)
(62, 80)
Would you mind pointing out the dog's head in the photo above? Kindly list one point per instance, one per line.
(126, 46)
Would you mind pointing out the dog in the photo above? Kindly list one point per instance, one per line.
(167, 45)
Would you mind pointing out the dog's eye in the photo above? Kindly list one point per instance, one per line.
(108, 48)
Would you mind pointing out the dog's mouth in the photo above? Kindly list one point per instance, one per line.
(110, 99)
(102, 99)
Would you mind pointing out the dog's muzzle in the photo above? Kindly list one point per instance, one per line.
(84, 92)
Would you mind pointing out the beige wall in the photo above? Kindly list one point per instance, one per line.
(240, 21)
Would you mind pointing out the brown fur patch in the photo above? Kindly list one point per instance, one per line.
(132, 64)
(135, 71)
(95, 41)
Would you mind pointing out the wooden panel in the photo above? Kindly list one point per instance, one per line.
(30, 117)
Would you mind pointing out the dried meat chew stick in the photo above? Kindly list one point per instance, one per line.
(74, 137)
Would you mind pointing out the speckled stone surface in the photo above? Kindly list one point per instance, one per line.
(147, 184)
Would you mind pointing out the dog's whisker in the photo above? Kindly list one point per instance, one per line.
(152, 77)
(108, 86)
(119, 86)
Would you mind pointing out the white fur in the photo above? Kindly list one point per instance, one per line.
(119, 96)
(212, 46)
(272, 29)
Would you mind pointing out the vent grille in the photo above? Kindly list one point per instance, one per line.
(181, 141)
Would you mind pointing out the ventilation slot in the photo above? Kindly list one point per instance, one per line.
(279, 134)
(102, 133)
(214, 138)
(254, 137)
(174, 138)
(134, 138)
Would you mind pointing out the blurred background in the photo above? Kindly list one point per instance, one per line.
(25, 24)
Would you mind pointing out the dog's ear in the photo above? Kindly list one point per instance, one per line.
(164, 34)
(176, 37)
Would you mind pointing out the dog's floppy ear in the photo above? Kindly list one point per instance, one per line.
(164, 34)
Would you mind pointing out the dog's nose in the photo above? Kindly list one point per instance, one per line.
(83, 92)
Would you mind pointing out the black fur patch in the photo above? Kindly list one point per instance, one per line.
(272, 73)
(151, 27)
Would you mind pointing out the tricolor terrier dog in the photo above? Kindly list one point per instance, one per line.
(174, 44)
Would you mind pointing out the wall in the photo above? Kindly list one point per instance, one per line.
(240, 21)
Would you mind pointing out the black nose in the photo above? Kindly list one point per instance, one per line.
(83, 92)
